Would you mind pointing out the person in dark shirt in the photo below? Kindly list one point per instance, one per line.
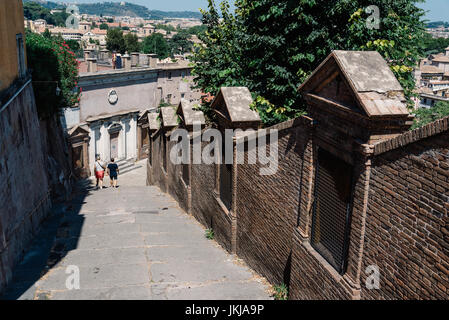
(113, 172)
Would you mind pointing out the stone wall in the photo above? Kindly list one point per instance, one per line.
(24, 185)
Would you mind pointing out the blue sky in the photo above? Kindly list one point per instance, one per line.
(438, 9)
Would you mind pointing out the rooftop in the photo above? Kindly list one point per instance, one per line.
(376, 90)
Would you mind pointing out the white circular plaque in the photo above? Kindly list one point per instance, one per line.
(113, 97)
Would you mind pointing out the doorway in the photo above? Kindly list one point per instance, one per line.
(114, 145)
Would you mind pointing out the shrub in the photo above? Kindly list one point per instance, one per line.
(53, 66)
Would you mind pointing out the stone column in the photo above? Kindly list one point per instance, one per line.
(86, 157)
(126, 59)
(144, 60)
(152, 60)
(139, 141)
(86, 54)
(133, 136)
(92, 65)
(104, 54)
(134, 59)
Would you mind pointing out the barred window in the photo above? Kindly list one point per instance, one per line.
(185, 174)
(225, 181)
(332, 209)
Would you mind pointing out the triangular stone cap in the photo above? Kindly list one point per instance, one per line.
(153, 121)
(373, 88)
(169, 117)
(234, 103)
(189, 115)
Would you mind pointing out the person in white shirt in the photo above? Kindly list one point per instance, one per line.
(99, 168)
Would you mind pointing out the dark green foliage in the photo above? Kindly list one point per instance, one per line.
(104, 26)
(280, 292)
(426, 116)
(273, 46)
(197, 30)
(115, 40)
(132, 43)
(180, 43)
(53, 66)
(35, 11)
(433, 45)
(157, 44)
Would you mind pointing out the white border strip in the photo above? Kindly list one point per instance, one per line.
(15, 96)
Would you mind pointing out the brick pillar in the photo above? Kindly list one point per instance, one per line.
(92, 65)
(86, 54)
(126, 59)
(152, 60)
(134, 59)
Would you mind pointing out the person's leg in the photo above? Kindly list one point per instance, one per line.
(115, 182)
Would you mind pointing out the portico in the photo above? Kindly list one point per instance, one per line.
(113, 136)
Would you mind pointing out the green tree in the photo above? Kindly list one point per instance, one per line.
(426, 116)
(115, 40)
(34, 11)
(272, 47)
(132, 42)
(47, 34)
(104, 26)
(434, 45)
(157, 44)
(181, 43)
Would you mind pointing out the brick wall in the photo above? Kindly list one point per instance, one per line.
(268, 207)
(407, 233)
(399, 212)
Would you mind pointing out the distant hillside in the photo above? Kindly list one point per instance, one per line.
(116, 9)
(436, 24)
(47, 4)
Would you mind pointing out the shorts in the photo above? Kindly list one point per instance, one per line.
(113, 177)
(99, 174)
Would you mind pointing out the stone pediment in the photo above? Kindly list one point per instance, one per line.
(153, 121)
(169, 117)
(78, 131)
(234, 104)
(360, 81)
(188, 115)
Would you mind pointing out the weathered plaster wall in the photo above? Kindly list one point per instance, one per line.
(24, 185)
(11, 23)
(133, 94)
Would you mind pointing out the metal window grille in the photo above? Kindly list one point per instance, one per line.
(225, 181)
(185, 174)
(332, 209)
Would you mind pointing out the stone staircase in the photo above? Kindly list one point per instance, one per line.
(128, 165)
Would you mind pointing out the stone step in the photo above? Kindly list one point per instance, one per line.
(129, 169)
